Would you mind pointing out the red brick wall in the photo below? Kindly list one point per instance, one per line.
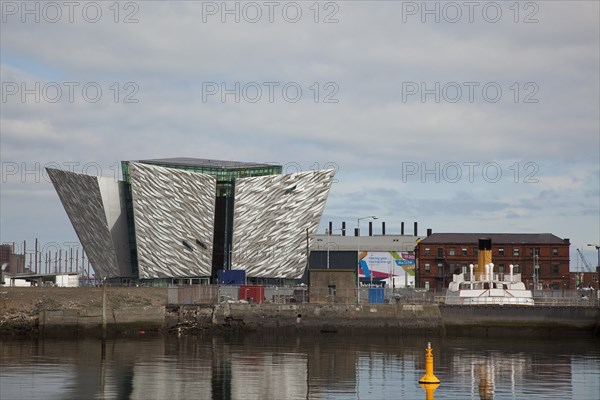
(553, 272)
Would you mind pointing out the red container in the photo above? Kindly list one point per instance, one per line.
(252, 294)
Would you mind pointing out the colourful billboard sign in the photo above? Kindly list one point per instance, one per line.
(396, 268)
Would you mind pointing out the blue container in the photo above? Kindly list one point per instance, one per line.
(231, 276)
(376, 295)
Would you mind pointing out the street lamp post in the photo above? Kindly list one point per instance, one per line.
(358, 254)
(597, 246)
(536, 270)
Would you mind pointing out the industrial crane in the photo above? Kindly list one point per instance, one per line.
(597, 246)
(585, 262)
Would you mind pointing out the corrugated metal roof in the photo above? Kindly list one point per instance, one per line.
(497, 238)
(203, 162)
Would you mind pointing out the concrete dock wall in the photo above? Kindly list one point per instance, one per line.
(332, 318)
(250, 317)
(149, 317)
(482, 320)
(29, 311)
(329, 317)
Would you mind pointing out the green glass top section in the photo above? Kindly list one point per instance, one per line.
(224, 171)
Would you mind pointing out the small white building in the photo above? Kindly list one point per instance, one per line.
(67, 280)
(21, 280)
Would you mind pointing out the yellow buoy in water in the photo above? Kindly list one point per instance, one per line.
(429, 377)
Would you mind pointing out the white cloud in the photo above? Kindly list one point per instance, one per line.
(368, 134)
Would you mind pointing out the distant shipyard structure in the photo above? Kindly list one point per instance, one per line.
(181, 220)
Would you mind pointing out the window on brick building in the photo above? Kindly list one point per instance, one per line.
(440, 252)
(516, 252)
(427, 267)
(464, 269)
(464, 251)
(555, 251)
(452, 251)
(475, 251)
(500, 268)
(555, 269)
(501, 251)
(427, 251)
(516, 269)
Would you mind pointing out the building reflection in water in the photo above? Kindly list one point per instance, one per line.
(513, 369)
(480, 370)
(255, 366)
(485, 373)
(276, 367)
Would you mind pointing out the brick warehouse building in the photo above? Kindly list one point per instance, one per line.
(440, 255)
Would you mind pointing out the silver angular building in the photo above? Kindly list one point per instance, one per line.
(272, 217)
(183, 219)
(170, 208)
(96, 208)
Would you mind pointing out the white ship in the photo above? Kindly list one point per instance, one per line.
(488, 289)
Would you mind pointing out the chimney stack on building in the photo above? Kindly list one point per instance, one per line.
(429, 232)
(416, 230)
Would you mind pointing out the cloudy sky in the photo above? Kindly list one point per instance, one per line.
(476, 117)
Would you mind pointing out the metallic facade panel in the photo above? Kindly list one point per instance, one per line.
(271, 217)
(171, 206)
(114, 202)
(82, 200)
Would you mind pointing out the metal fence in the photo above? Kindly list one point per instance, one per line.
(214, 294)
(567, 298)
(194, 294)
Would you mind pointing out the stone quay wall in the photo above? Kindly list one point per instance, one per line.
(75, 310)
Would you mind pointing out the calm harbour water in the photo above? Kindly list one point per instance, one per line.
(319, 366)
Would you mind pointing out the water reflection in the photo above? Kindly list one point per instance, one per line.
(429, 389)
(296, 367)
(511, 369)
